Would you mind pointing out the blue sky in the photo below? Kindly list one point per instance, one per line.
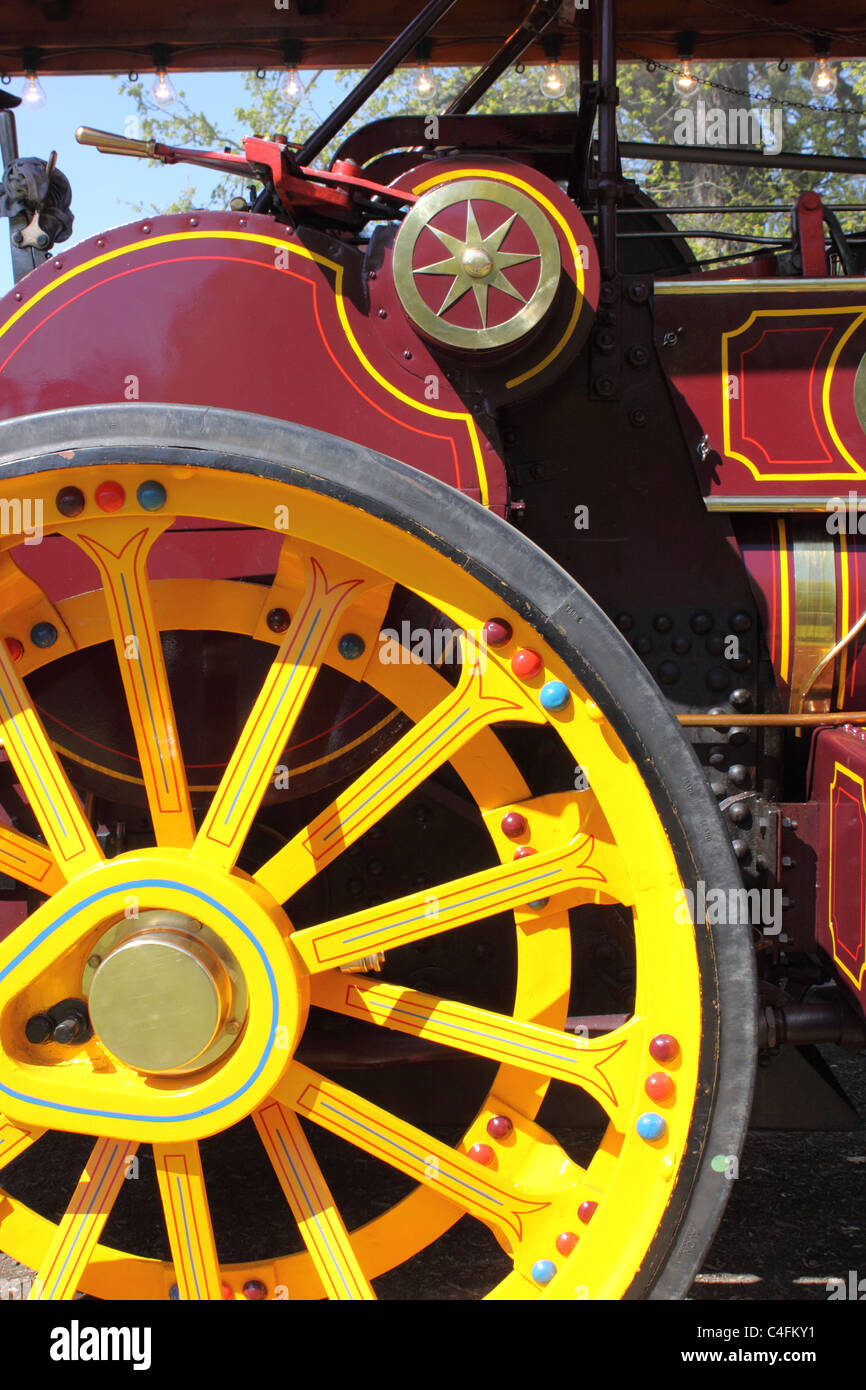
(105, 188)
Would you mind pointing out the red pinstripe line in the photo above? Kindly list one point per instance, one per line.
(108, 1196)
(27, 775)
(82, 1198)
(335, 815)
(572, 881)
(327, 1215)
(109, 580)
(299, 1195)
(432, 1026)
(158, 691)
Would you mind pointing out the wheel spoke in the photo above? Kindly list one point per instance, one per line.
(187, 1219)
(123, 568)
(274, 715)
(61, 819)
(479, 699)
(14, 1140)
(452, 904)
(28, 861)
(79, 1230)
(602, 1066)
(311, 1202)
(401, 1145)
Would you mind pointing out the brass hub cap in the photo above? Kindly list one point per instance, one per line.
(164, 993)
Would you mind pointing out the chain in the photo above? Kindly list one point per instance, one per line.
(652, 63)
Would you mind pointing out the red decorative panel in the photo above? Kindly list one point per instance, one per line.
(839, 787)
(765, 371)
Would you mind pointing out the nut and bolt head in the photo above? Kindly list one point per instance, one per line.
(638, 355)
(233, 1025)
(93, 961)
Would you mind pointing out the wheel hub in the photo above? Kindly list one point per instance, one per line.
(165, 994)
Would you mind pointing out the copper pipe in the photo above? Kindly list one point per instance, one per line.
(768, 721)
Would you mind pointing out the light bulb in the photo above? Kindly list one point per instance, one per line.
(163, 91)
(33, 94)
(823, 80)
(291, 85)
(685, 81)
(424, 84)
(553, 81)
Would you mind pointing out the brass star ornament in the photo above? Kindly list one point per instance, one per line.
(476, 264)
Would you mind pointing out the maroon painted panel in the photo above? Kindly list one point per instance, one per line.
(766, 372)
(839, 787)
(234, 311)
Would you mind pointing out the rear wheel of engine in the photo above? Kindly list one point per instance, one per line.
(453, 975)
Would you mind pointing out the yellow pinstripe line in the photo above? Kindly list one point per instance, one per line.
(844, 563)
(784, 602)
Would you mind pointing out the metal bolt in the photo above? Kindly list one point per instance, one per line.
(787, 861)
(383, 313)
(233, 1025)
(740, 848)
(638, 355)
(639, 292)
(39, 1028)
(604, 386)
(638, 418)
(93, 961)
(605, 341)
(670, 340)
(740, 697)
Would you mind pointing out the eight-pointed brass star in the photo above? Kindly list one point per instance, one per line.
(476, 263)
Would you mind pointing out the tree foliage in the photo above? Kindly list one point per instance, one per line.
(650, 111)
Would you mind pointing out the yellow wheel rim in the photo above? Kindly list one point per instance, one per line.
(572, 1230)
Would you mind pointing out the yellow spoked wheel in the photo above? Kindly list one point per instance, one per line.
(188, 981)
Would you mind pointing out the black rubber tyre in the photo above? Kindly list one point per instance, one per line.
(565, 616)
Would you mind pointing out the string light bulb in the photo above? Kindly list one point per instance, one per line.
(33, 92)
(424, 84)
(553, 83)
(685, 81)
(163, 91)
(291, 85)
(554, 79)
(823, 80)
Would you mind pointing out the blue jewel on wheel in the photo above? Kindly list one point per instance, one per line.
(351, 646)
(554, 695)
(543, 1271)
(151, 496)
(43, 635)
(651, 1126)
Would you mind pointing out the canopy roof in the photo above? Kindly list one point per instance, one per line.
(108, 36)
